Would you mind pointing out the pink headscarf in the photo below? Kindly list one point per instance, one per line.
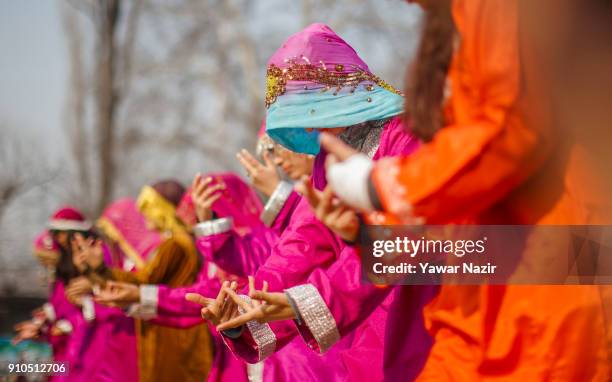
(238, 201)
(186, 209)
(123, 223)
(320, 45)
(68, 218)
(317, 80)
(262, 129)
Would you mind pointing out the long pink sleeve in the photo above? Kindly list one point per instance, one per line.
(173, 310)
(61, 312)
(242, 254)
(304, 246)
(235, 254)
(167, 306)
(351, 301)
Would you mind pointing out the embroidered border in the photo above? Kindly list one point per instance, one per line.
(276, 202)
(213, 227)
(262, 334)
(316, 315)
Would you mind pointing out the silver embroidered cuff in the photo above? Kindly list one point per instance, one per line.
(64, 326)
(276, 202)
(213, 227)
(140, 311)
(148, 298)
(89, 312)
(315, 315)
(263, 336)
(49, 311)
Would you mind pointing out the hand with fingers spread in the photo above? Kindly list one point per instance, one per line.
(204, 193)
(86, 253)
(39, 314)
(118, 294)
(263, 307)
(26, 330)
(219, 309)
(332, 212)
(264, 177)
(77, 288)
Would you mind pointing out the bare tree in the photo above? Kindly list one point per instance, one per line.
(177, 86)
(111, 70)
(20, 171)
(76, 108)
(107, 15)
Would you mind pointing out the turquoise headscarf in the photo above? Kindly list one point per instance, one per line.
(337, 91)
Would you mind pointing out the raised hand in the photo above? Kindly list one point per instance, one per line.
(118, 294)
(39, 314)
(264, 177)
(263, 307)
(219, 309)
(204, 193)
(336, 215)
(337, 150)
(47, 258)
(77, 288)
(26, 330)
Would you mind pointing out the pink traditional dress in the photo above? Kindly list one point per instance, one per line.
(317, 80)
(59, 314)
(68, 318)
(244, 248)
(239, 207)
(103, 343)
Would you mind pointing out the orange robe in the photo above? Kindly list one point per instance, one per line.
(499, 160)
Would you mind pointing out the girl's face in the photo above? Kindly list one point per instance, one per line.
(295, 165)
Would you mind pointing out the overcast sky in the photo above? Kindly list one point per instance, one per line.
(33, 67)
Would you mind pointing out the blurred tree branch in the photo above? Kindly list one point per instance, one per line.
(183, 76)
(75, 111)
(21, 171)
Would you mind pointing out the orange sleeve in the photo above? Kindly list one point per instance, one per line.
(488, 149)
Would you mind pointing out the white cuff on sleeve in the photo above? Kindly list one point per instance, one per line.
(276, 202)
(88, 309)
(64, 326)
(147, 308)
(350, 178)
(213, 227)
(148, 296)
(49, 311)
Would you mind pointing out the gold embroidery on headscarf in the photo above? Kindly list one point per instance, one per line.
(277, 78)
